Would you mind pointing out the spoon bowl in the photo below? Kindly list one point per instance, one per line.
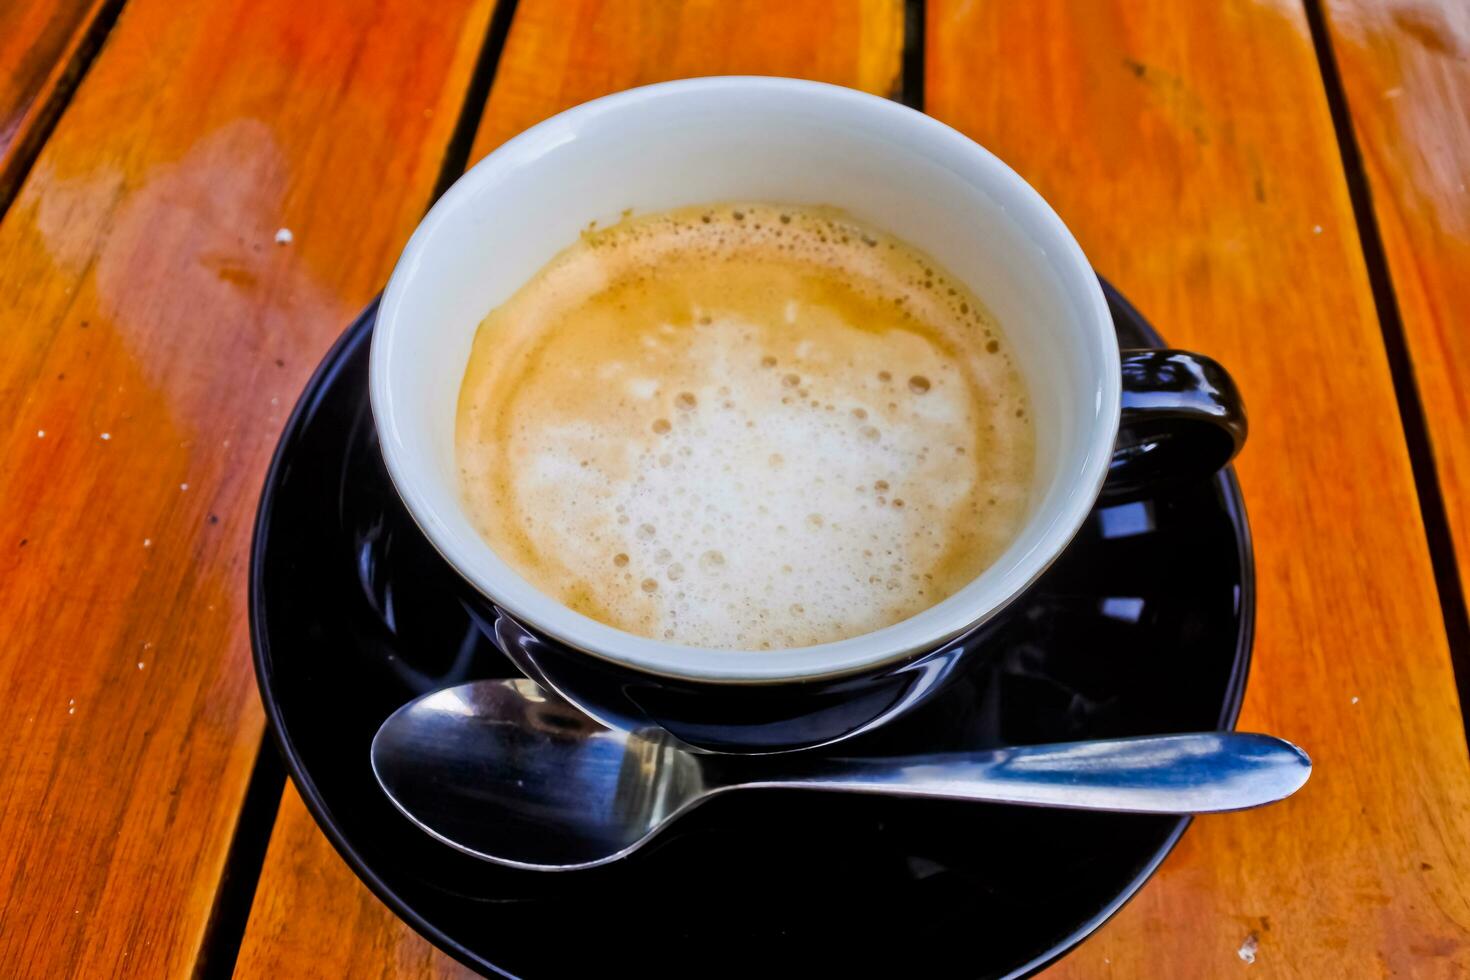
(508, 772)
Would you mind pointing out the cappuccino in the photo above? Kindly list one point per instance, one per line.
(744, 426)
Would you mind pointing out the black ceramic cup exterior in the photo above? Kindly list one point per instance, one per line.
(1131, 423)
(1182, 420)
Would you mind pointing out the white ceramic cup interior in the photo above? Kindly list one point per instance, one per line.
(753, 139)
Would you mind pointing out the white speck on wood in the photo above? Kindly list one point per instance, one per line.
(1316, 229)
(1354, 700)
(147, 542)
(183, 486)
(40, 433)
(140, 665)
(284, 236)
(1248, 949)
(106, 436)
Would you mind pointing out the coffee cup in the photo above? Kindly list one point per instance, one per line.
(1108, 425)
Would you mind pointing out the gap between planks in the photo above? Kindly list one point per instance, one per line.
(1427, 485)
(78, 61)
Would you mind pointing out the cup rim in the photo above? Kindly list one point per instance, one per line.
(925, 631)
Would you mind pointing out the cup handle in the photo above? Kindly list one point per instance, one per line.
(1182, 421)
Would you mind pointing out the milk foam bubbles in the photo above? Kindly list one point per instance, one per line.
(744, 427)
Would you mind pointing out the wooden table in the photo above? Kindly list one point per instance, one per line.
(1279, 183)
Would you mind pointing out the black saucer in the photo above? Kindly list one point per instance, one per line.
(1144, 626)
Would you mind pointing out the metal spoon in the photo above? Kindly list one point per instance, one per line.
(510, 773)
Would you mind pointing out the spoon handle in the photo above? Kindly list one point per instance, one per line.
(1208, 772)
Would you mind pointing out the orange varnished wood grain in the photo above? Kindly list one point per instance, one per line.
(563, 52)
(153, 336)
(43, 45)
(557, 55)
(1191, 149)
(312, 918)
(1406, 69)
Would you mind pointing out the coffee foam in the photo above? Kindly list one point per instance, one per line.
(744, 427)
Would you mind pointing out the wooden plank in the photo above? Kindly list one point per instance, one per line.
(153, 335)
(346, 931)
(43, 46)
(557, 55)
(561, 53)
(1406, 71)
(1191, 149)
